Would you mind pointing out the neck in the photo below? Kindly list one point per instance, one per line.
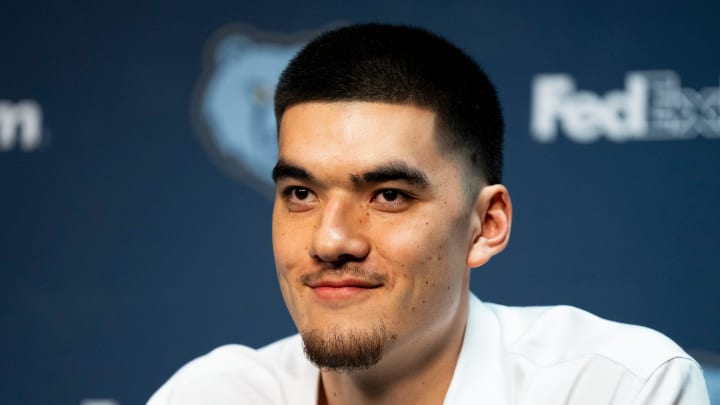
(418, 372)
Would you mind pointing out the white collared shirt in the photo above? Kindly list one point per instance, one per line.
(510, 355)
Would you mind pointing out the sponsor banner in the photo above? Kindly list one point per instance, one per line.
(652, 106)
(20, 125)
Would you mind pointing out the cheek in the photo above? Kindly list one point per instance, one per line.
(287, 245)
(417, 242)
(285, 267)
(428, 276)
(420, 255)
(428, 255)
(285, 254)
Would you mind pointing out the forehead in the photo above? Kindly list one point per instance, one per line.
(358, 130)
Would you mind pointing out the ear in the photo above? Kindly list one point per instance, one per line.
(492, 217)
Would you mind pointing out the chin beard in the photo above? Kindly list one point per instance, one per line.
(345, 351)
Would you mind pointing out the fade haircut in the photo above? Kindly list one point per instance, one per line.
(403, 65)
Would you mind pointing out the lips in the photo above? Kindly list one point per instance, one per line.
(342, 289)
(343, 283)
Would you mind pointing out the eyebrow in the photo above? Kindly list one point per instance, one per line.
(391, 171)
(283, 170)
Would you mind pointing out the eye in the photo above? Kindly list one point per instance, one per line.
(298, 198)
(390, 195)
(391, 200)
(300, 193)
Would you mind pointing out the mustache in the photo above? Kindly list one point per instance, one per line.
(348, 270)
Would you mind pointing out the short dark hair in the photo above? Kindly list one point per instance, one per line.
(402, 65)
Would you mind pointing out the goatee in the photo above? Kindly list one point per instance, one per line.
(345, 351)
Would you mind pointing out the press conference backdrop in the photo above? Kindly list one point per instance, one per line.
(136, 140)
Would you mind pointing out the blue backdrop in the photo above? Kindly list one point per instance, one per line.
(135, 229)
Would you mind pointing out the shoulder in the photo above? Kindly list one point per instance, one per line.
(562, 354)
(234, 373)
(556, 334)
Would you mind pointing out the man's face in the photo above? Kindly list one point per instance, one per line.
(371, 229)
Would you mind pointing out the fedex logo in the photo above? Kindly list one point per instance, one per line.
(651, 106)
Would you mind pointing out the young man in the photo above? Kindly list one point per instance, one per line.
(388, 193)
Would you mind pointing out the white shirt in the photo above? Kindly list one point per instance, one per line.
(510, 355)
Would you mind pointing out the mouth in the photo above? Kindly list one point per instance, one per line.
(342, 289)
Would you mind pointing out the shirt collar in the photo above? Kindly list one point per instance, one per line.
(479, 370)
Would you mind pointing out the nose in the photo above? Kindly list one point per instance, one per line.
(340, 234)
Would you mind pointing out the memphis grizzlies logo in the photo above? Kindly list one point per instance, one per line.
(233, 105)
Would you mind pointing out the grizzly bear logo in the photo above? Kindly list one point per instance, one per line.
(233, 104)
